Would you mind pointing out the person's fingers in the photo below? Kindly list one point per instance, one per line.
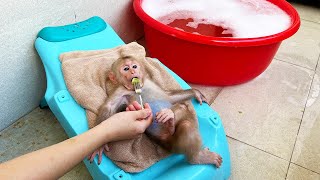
(131, 107)
(144, 124)
(147, 106)
(141, 114)
(136, 105)
(146, 116)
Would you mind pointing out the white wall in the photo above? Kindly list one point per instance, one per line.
(22, 77)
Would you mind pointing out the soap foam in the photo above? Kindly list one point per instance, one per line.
(241, 18)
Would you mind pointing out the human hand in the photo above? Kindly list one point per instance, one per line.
(199, 96)
(135, 106)
(129, 124)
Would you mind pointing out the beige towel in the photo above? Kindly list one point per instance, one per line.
(85, 74)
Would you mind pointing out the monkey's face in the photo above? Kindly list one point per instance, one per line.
(130, 69)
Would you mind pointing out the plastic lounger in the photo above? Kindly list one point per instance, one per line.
(93, 34)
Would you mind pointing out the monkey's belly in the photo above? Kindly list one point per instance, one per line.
(157, 129)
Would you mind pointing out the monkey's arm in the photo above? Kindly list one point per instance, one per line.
(113, 104)
(105, 111)
(183, 95)
(179, 110)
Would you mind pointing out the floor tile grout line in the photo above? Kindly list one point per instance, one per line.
(305, 168)
(310, 21)
(295, 64)
(274, 156)
(317, 63)
(217, 95)
(304, 109)
(258, 148)
(315, 71)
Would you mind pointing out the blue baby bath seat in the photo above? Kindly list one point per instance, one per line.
(93, 34)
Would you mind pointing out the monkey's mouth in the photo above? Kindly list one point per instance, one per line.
(133, 78)
(136, 83)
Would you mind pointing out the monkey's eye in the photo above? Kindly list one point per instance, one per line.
(134, 66)
(126, 69)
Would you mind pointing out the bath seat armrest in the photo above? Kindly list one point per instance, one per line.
(69, 113)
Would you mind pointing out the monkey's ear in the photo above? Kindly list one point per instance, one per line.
(113, 78)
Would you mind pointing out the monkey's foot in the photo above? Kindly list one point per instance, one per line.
(99, 153)
(207, 157)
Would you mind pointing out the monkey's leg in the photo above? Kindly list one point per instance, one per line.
(187, 140)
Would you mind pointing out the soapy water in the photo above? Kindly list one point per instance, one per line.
(220, 18)
(201, 28)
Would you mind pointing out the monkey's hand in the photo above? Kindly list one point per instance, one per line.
(164, 115)
(99, 153)
(199, 96)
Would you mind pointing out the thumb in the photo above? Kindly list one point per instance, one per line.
(142, 114)
(144, 118)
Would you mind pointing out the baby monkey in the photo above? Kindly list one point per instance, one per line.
(174, 127)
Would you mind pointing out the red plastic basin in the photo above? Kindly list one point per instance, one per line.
(213, 60)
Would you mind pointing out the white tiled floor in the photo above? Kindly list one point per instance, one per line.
(272, 122)
(251, 163)
(303, 48)
(267, 111)
(308, 13)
